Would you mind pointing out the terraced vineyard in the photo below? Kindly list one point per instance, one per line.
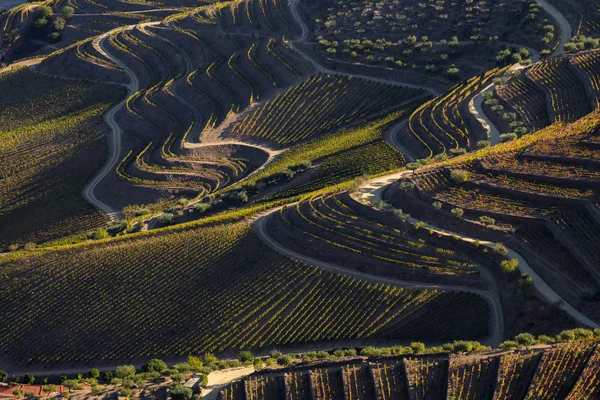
(52, 142)
(296, 150)
(313, 108)
(562, 371)
(561, 89)
(539, 188)
(440, 126)
(253, 298)
(340, 228)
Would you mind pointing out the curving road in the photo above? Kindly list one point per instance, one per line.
(109, 117)
(566, 30)
(496, 321)
(373, 191)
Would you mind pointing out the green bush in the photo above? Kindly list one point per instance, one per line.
(459, 175)
(500, 248)
(284, 361)
(417, 347)
(124, 371)
(525, 339)
(457, 212)
(245, 356)
(154, 365)
(509, 266)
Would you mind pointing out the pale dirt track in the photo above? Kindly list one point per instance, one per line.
(373, 191)
(496, 321)
(109, 117)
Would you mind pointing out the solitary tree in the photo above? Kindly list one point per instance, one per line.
(154, 365)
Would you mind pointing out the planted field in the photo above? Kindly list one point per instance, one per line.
(528, 99)
(589, 63)
(568, 97)
(471, 378)
(339, 227)
(426, 377)
(566, 371)
(231, 292)
(515, 372)
(319, 105)
(542, 187)
(52, 143)
(389, 380)
(559, 370)
(370, 159)
(424, 37)
(440, 125)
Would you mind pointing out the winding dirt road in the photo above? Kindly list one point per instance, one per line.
(373, 191)
(496, 321)
(109, 117)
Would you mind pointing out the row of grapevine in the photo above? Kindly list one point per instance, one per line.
(568, 98)
(231, 292)
(331, 220)
(49, 126)
(567, 371)
(317, 106)
(440, 125)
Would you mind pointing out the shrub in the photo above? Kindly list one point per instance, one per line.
(545, 339)
(417, 347)
(321, 355)
(525, 339)
(107, 377)
(284, 360)
(178, 377)
(3, 376)
(484, 219)
(500, 248)
(483, 144)
(258, 364)
(459, 175)
(166, 219)
(44, 12)
(350, 352)
(413, 166)
(125, 392)
(509, 266)
(437, 205)
(301, 166)
(245, 356)
(201, 208)
(407, 186)
(508, 344)
(457, 212)
(116, 227)
(94, 373)
(29, 379)
(209, 359)
(507, 137)
(238, 197)
(98, 234)
(458, 152)
(67, 12)
(154, 365)
(462, 346)
(124, 371)
(49, 388)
